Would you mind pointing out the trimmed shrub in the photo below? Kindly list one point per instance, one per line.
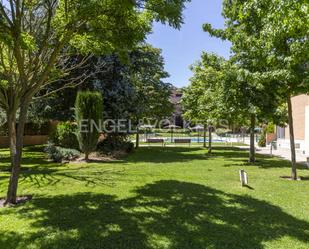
(262, 140)
(60, 154)
(65, 135)
(88, 110)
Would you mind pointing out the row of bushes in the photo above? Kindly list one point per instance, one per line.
(63, 143)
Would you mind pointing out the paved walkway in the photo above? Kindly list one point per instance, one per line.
(282, 153)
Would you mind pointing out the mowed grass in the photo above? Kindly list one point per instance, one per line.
(176, 198)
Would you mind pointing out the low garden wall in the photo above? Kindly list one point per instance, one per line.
(28, 140)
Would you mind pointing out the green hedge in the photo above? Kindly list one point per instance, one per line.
(64, 135)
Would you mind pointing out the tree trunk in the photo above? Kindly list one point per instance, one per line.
(210, 139)
(252, 140)
(205, 132)
(292, 139)
(86, 156)
(137, 139)
(16, 146)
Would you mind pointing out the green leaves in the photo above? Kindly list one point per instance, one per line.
(28, 42)
(165, 11)
(203, 99)
(270, 42)
(88, 114)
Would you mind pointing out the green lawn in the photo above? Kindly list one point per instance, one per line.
(157, 198)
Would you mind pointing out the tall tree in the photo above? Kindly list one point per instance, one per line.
(34, 48)
(88, 114)
(285, 33)
(132, 88)
(152, 95)
(204, 98)
(270, 40)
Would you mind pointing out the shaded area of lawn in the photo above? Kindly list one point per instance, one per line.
(34, 158)
(167, 154)
(40, 172)
(165, 214)
(173, 197)
(234, 155)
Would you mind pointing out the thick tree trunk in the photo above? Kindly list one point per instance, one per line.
(16, 146)
(292, 140)
(86, 156)
(11, 193)
(252, 140)
(210, 139)
(204, 135)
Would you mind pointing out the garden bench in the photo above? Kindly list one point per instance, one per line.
(182, 141)
(155, 141)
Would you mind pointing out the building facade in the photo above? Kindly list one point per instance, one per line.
(300, 106)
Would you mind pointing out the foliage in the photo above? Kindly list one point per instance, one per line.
(262, 140)
(211, 97)
(201, 97)
(114, 143)
(270, 128)
(270, 43)
(64, 135)
(58, 106)
(59, 154)
(131, 88)
(2, 117)
(37, 39)
(222, 132)
(3, 124)
(89, 109)
(33, 128)
(152, 95)
(3, 129)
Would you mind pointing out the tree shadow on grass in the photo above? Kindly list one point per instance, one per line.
(264, 162)
(239, 157)
(90, 177)
(30, 159)
(166, 155)
(42, 176)
(165, 214)
(37, 171)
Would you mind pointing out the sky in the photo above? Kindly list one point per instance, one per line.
(181, 48)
